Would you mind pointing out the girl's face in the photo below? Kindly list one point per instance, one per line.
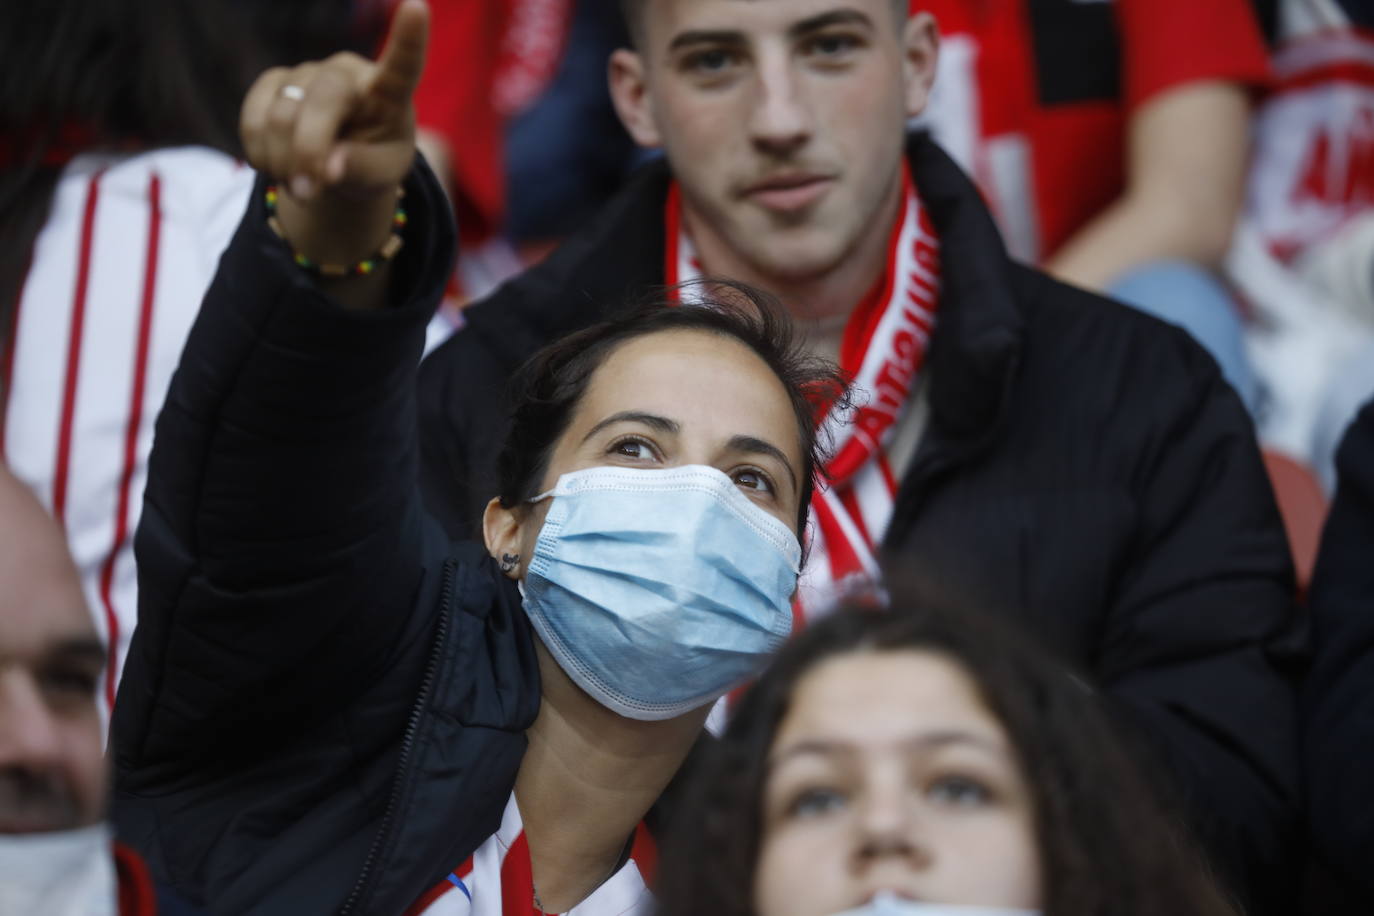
(888, 773)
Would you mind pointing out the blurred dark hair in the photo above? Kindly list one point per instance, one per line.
(547, 389)
(92, 75)
(1106, 847)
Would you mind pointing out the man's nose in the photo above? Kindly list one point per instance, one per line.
(781, 121)
(29, 734)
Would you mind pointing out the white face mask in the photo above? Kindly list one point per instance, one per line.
(61, 873)
(891, 905)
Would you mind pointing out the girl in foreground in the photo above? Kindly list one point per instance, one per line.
(919, 764)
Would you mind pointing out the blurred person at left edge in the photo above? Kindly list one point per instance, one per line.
(58, 856)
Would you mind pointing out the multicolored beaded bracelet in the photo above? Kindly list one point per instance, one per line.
(362, 268)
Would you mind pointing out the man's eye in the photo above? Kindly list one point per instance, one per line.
(69, 683)
(833, 45)
(753, 479)
(816, 802)
(959, 791)
(711, 62)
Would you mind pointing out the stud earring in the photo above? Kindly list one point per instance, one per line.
(508, 561)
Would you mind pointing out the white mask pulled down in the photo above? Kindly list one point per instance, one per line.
(62, 873)
(891, 905)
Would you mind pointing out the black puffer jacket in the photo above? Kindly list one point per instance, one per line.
(1085, 469)
(324, 704)
(1339, 695)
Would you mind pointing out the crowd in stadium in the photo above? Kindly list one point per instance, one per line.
(727, 457)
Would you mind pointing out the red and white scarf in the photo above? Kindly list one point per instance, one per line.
(883, 349)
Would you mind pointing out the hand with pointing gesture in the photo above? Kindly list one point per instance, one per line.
(338, 136)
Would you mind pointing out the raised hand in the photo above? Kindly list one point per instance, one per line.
(339, 135)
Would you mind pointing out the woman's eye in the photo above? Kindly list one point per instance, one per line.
(816, 802)
(751, 479)
(959, 791)
(632, 448)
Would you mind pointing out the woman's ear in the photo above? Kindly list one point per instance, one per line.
(501, 532)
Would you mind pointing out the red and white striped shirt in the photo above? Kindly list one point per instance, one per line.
(496, 880)
(116, 278)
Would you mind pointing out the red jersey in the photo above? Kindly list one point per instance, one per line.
(1033, 97)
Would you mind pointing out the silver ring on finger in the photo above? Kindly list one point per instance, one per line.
(293, 92)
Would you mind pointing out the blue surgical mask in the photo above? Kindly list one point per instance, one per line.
(657, 591)
(892, 905)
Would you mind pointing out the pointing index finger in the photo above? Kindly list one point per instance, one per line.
(403, 59)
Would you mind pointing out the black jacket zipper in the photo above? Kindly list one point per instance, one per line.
(356, 896)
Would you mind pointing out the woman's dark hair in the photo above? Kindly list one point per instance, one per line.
(546, 390)
(1105, 845)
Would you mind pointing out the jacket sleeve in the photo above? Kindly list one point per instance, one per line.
(1202, 641)
(282, 549)
(1339, 695)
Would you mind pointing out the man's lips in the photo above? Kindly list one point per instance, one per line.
(790, 192)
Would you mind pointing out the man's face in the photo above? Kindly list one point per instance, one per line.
(52, 774)
(783, 120)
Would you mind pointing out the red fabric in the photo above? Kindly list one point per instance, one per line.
(136, 894)
(1171, 42)
(1078, 150)
(455, 100)
(83, 275)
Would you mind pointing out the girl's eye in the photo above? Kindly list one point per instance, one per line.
(753, 479)
(959, 791)
(816, 802)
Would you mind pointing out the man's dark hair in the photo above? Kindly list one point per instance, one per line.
(547, 389)
(1105, 844)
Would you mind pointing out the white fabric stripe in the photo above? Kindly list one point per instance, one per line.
(894, 319)
(34, 410)
(204, 194)
(875, 499)
(1316, 51)
(119, 246)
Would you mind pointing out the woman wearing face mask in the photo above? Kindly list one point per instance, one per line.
(329, 707)
(923, 764)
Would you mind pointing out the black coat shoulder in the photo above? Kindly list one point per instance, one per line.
(1339, 695)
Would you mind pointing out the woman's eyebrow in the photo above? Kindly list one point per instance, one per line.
(651, 420)
(756, 446)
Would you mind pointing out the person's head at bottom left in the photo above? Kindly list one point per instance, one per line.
(56, 852)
